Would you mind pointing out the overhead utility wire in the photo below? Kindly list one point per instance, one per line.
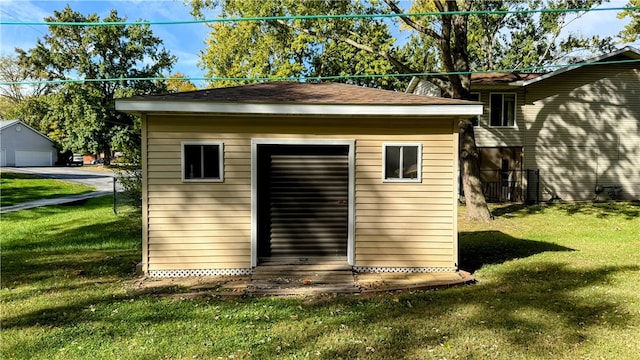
(318, 17)
(315, 78)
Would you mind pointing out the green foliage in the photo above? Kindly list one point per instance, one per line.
(17, 188)
(128, 172)
(631, 32)
(82, 116)
(296, 48)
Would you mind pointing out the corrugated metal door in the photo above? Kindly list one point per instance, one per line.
(303, 198)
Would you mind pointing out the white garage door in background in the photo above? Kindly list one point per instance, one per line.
(33, 158)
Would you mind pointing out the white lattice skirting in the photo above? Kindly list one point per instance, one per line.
(197, 272)
(374, 269)
(360, 269)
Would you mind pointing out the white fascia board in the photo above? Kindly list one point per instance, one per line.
(142, 106)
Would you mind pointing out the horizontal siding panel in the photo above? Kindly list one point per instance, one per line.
(200, 259)
(440, 262)
(187, 193)
(200, 207)
(176, 237)
(176, 174)
(236, 247)
(368, 176)
(411, 213)
(406, 259)
(404, 206)
(410, 237)
(403, 219)
(426, 197)
(198, 213)
(210, 253)
(185, 233)
(419, 248)
(196, 187)
(188, 227)
(163, 167)
(429, 169)
(177, 181)
(240, 233)
(203, 200)
(388, 226)
(169, 219)
(240, 264)
(177, 141)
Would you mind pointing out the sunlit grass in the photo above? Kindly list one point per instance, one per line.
(554, 281)
(17, 188)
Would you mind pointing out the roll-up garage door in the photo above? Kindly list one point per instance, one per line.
(303, 201)
(33, 158)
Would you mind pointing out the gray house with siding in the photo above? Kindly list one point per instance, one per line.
(21, 145)
(579, 125)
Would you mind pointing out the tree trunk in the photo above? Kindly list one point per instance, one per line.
(477, 208)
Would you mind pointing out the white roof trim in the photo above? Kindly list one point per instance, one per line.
(627, 49)
(144, 106)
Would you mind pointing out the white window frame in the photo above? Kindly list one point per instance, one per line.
(479, 117)
(515, 110)
(220, 144)
(417, 179)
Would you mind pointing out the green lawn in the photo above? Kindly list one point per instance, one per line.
(557, 281)
(17, 188)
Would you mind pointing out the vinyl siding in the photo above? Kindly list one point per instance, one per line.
(583, 128)
(208, 225)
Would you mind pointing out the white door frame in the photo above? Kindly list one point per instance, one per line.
(254, 188)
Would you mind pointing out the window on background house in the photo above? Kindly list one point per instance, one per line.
(503, 110)
(402, 162)
(202, 161)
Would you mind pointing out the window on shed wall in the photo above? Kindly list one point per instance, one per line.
(503, 110)
(202, 161)
(402, 162)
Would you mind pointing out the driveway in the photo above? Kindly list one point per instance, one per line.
(99, 178)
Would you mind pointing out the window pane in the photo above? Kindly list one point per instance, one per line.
(410, 160)
(509, 109)
(211, 161)
(192, 162)
(496, 109)
(392, 165)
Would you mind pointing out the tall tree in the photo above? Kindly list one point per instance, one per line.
(85, 111)
(443, 43)
(13, 95)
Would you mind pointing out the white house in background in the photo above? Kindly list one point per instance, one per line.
(579, 125)
(21, 145)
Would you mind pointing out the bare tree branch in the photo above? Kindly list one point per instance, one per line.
(409, 22)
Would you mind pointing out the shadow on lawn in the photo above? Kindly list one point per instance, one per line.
(628, 209)
(494, 247)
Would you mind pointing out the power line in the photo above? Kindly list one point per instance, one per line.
(318, 17)
(317, 78)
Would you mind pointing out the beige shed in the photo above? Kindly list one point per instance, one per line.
(235, 177)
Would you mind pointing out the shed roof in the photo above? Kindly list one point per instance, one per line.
(299, 98)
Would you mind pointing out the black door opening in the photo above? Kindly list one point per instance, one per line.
(303, 201)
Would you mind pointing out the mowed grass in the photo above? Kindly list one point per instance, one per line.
(17, 188)
(558, 281)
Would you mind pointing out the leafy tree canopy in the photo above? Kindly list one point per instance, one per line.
(631, 32)
(82, 116)
(178, 83)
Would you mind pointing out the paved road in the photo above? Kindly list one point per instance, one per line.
(101, 180)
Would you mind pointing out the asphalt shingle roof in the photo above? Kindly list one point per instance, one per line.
(304, 93)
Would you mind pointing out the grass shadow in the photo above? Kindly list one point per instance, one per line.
(600, 209)
(480, 248)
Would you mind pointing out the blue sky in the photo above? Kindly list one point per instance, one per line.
(187, 41)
